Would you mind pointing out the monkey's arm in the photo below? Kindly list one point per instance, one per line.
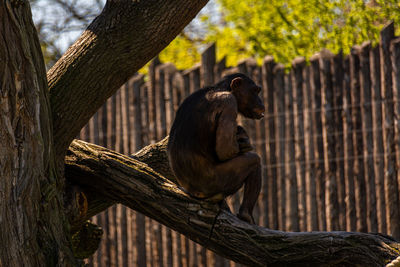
(243, 140)
(226, 144)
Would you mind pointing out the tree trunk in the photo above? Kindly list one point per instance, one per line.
(140, 184)
(33, 228)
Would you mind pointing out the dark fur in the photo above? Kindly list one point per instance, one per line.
(203, 164)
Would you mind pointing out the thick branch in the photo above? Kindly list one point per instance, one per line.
(136, 185)
(124, 37)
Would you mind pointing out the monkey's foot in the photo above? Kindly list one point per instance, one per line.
(246, 217)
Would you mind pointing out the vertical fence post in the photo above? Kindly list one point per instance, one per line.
(147, 116)
(169, 70)
(392, 212)
(151, 225)
(118, 121)
(191, 79)
(395, 51)
(111, 223)
(310, 171)
(367, 130)
(136, 120)
(270, 184)
(95, 131)
(279, 111)
(121, 226)
(135, 99)
(351, 221)
(162, 100)
(292, 214)
(128, 218)
(102, 257)
(103, 125)
(207, 66)
(119, 209)
(161, 116)
(329, 141)
(127, 140)
(378, 152)
(319, 148)
(186, 82)
(179, 91)
(218, 69)
(125, 118)
(152, 100)
(337, 84)
(298, 82)
(360, 190)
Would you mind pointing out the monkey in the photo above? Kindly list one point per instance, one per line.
(209, 153)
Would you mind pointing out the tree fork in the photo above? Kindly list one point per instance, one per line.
(122, 39)
(135, 184)
(37, 125)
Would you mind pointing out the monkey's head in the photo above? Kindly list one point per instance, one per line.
(246, 93)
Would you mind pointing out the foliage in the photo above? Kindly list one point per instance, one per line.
(182, 52)
(289, 28)
(254, 28)
(60, 22)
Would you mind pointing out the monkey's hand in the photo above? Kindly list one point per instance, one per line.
(243, 140)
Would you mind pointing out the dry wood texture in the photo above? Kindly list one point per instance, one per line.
(132, 182)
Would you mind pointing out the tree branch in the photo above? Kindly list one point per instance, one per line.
(136, 185)
(124, 37)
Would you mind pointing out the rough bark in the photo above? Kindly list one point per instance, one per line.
(135, 184)
(124, 37)
(33, 228)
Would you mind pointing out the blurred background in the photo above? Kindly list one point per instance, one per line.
(241, 29)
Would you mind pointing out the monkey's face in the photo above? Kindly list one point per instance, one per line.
(247, 93)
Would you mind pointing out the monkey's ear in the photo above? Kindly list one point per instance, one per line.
(236, 83)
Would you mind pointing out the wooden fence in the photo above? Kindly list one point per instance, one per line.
(330, 147)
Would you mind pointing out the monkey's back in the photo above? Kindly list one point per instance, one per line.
(191, 146)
